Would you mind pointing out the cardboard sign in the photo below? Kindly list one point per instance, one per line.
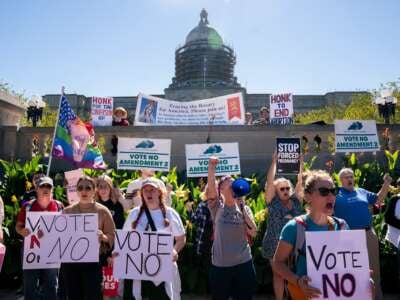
(288, 151)
(102, 111)
(2, 254)
(281, 109)
(356, 136)
(72, 177)
(143, 153)
(197, 156)
(223, 110)
(70, 238)
(143, 255)
(110, 284)
(337, 263)
(34, 248)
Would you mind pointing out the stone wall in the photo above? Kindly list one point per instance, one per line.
(256, 144)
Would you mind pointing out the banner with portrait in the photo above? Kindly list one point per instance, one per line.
(223, 110)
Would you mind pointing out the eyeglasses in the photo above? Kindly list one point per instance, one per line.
(47, 186)
(84, 187)
(323, 191)
(284, 188)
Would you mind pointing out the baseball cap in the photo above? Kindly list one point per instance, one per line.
(152, 182)
(45, 180)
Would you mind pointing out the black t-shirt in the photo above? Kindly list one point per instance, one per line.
(117, 212)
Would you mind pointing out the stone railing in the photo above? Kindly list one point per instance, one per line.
(256, 144)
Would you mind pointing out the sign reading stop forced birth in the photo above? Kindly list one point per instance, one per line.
(288, 151)
(356, 136)
(197, 156)
(143, 255)
(337, 263)
(143, 153)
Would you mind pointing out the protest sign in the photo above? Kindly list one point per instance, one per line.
(2, 254)
(34, 248)
(143, 153)
(337, 263)
(143, 255)
(223, 110)
(110, 284)
(288, 151)
(281, 109)
(72, 178)
(70, 238)
(356, 136)
(197, 156)
(102, 111)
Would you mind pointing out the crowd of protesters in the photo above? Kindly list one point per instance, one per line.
(224, 227)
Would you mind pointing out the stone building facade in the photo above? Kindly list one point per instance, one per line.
(204, 68)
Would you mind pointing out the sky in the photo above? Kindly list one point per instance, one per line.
(124, 47)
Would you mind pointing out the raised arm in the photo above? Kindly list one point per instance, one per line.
(299, 189)
(387, 180)
(269, 185)
(211, 192)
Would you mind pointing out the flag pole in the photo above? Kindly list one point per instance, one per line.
(54, 133)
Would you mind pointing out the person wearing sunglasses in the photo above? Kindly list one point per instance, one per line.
(320, 196)
(352, 205)
(154, 215)
(84, 280)
(232, 271)
(48, 278)
(283, 205)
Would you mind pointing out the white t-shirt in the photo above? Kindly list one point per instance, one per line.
(175, 222)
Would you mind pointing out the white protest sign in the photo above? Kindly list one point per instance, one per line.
(143, 255)
(281, 109)
(197, 156)
(223, 110)
(102, 111)
(337, 263)
(72, 178)
(143, 153)
(71, 238)
(35, 248)
(356, 136)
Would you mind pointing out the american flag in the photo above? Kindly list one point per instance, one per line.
(66, 112)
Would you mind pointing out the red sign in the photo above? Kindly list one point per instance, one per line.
(233, 108)
(110, 284)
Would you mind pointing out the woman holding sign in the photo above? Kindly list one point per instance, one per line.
(84, 280)
(320, 194)
(232, 272)
(283, 205)
(154, 215)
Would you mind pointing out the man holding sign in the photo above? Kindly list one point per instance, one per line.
(47, 277)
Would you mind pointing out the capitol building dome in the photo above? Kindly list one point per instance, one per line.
(204, 61)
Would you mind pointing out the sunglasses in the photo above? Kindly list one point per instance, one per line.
(286, 188)
(47, 186)
(323, 191)
(84, 187)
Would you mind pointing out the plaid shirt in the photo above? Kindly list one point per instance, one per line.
(201, 219)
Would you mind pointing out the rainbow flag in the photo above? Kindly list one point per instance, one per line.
(75, 140)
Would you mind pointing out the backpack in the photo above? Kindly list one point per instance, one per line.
(30, 203)
(301, 227)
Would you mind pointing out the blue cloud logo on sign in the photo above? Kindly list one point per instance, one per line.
(355, 126)
(147, 144)
(213, 149)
